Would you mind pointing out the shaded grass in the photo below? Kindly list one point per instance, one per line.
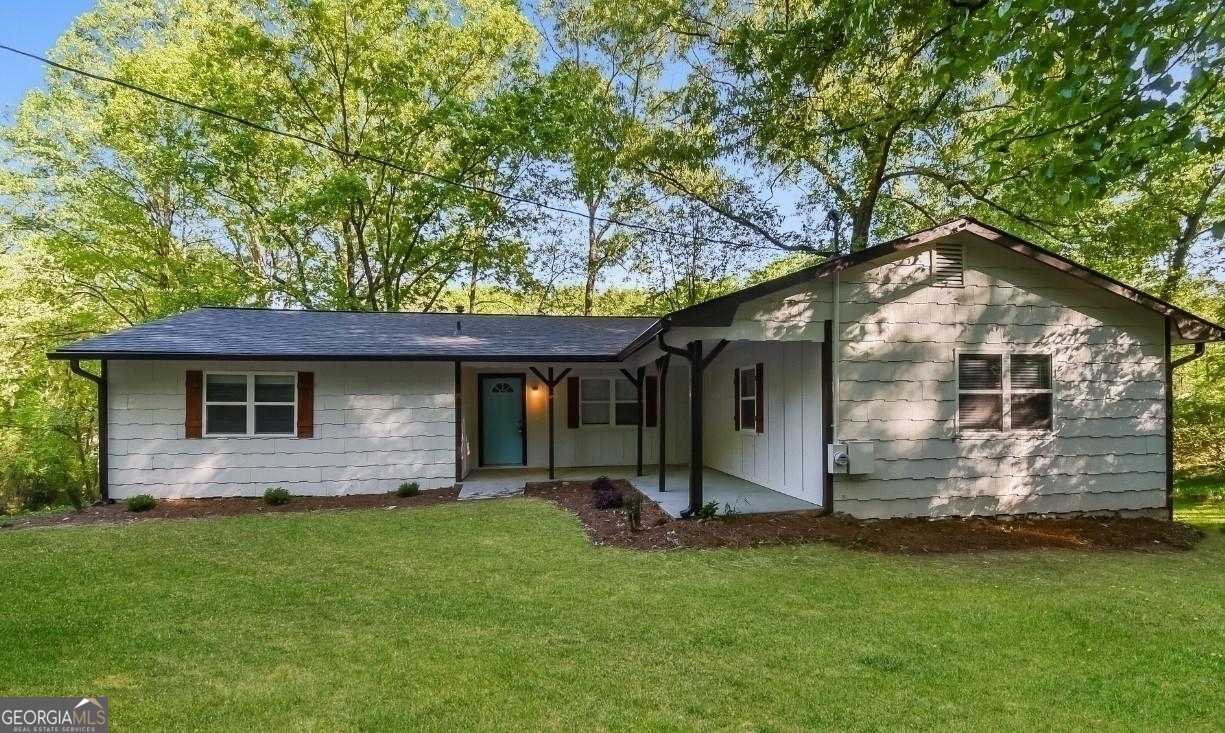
(1200, 500)
(1199, 487)
(49, 511)
(501, 616)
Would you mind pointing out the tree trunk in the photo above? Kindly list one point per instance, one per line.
(1178, 265)
(474, 268)
(593, 262)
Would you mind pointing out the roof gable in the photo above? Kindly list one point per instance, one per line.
(720, 311)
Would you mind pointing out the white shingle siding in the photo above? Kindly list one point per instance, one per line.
(376, 424)
(898, 390)
(898, 340)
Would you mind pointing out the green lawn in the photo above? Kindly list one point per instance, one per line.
(500, 616)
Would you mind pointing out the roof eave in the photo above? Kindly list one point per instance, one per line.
(171, 356)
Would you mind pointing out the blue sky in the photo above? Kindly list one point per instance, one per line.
(31, 25)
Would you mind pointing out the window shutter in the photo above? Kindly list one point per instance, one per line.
(651, 401)
(736, 399)
(572, 404)
(193, 425)
(760, 401)
(306, 404)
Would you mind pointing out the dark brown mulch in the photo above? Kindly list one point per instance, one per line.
(231, 506)
(908, 536)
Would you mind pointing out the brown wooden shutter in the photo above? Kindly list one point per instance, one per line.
(193, 425)
(651, 399)
(572, 397)
(306, 404)
(760, 402)
(736, 398)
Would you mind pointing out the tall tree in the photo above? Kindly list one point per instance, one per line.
(896, 114)
(689, 255)
(607, 59)
(406, 103)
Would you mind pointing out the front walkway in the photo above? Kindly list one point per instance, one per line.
(745, 497)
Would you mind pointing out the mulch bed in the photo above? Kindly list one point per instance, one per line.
(661, 532)
(906, 536)
(231, 506)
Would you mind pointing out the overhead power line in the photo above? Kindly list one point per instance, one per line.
(357, 154)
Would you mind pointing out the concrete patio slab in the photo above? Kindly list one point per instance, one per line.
(745, 497)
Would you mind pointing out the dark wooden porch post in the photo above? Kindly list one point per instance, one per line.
(642, 418)
(827, 416)
(459, 423)
(639, 381)
(697, 365)
(550, 382)
(696, 458)
(661, 366)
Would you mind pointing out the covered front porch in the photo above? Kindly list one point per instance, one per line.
(745, 497)
(734, 417)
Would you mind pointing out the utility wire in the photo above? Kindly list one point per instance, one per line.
(358, 155)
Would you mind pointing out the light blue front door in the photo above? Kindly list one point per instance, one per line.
(502, 420)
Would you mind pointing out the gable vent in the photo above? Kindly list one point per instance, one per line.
(947, 267)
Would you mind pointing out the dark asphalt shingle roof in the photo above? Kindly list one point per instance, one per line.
(284, 334)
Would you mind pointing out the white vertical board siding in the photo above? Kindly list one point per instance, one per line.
(897, 389)
(788, 456)
(588, 445)
(376, 424)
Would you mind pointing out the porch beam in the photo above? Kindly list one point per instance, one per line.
(550, 382)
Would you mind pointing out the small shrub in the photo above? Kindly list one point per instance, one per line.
(709, 510)
(609, 499)
(729, 511)
(277, 496)
(408, 488)
(632, 502)
(603, 484)
(607, 495)
(140, 503)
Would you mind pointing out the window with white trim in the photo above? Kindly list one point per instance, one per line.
(607, 401)
(748, 399)
(1005, 392)
(250, 404)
